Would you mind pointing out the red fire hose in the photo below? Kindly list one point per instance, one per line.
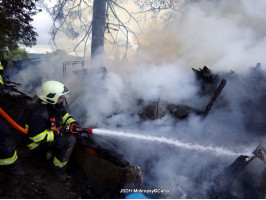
(12, 122)
(22, 130)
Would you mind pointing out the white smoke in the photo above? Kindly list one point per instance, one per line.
(224, 36)
(32, 73)
(168, 82)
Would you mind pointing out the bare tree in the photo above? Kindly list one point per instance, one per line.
(98, 30)
(86, 21)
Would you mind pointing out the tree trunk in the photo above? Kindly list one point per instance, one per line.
(98, 29)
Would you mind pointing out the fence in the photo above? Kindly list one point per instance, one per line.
(69, 67)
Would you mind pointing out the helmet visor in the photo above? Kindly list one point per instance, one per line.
(63, 100)
(65, 91)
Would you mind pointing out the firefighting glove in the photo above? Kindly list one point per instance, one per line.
(59, 132)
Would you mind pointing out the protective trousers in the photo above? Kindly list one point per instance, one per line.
(62, 148)
(8, 154)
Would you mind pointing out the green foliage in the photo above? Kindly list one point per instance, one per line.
(17, 54)
(16, 30)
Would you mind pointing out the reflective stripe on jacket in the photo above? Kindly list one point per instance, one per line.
(9, 161)
(26, 127)
(1, 70)
(1, 80)
(37, 139)
(67, 119)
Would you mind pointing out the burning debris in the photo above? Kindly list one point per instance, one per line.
(260, 153)
(236, 174)
(152, 110)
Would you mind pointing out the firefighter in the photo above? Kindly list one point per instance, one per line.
(46, 128)
(8, 155)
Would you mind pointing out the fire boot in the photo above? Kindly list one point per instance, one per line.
(60, 174)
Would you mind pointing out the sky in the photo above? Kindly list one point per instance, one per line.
(42, 24)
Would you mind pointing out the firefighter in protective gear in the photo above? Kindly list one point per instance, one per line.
(8, 155)
(46, 131)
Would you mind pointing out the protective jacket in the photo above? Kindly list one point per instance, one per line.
(42, 125)
(8, 153)
(1, 78)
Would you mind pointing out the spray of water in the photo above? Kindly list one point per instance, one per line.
(172, 142)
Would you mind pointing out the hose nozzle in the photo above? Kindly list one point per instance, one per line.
(77, 129)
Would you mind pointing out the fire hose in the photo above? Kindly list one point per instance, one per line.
(72, 128)
(12, 122)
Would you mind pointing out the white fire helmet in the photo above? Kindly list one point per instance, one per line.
(52, 90)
